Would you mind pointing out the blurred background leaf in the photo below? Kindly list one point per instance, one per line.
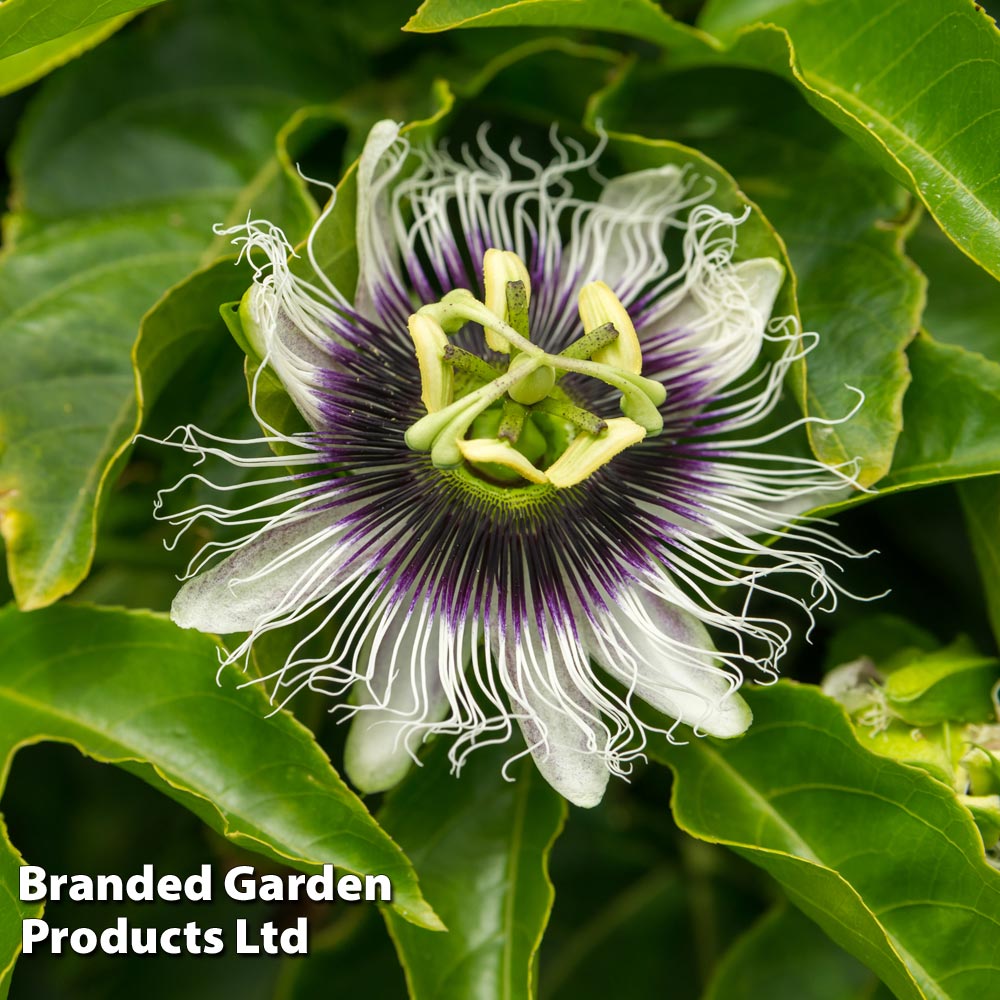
(963, 314)
(641, 908)
(981, 504)
(785, 956)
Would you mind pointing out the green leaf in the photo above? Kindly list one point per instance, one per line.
(25, 24)
(915, 84)
(985, 812)
(132, 689)
(848, 834)
(647, 928)
(785, 956)
(948, 685)
(981, 506)
(962, 302)
(642, 911)
(185, 318)
(834, 209)
(12, 910)
(962, 310)
(164, 156)
(32, 64)
(480, 844)
(950, 416)
(354, 957)
(641, 18)
(879, 637)
(936, 749)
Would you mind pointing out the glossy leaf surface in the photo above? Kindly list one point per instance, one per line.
(131, 688)
(481, 853)
(802, 798)
(25, 24)
(22, 68)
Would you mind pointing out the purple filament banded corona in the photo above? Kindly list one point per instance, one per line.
(436, 600)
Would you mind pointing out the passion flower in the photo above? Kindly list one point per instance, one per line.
(535, 459)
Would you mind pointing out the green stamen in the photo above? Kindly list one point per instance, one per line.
(584, 348)
(576, 415)
(471, 364)
(512, 425)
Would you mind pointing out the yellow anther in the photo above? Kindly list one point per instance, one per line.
(499, 268)
(489, 451)
(588, 452)
(598, 306)
(430, 340)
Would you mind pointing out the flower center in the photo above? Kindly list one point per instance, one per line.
(513, 423)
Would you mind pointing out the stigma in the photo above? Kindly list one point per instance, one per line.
(509, 420)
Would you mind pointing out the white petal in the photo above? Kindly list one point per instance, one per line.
(376, 258)
(761, 279)
(559, 723)
(723, 312)
(288, 565)
(643, 204)
(291, 351)
(666, 656)
(287, 320)
(404, 660)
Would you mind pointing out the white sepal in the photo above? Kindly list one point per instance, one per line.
(562, 729)
(400, 698)
(666, 657)
(285, 566)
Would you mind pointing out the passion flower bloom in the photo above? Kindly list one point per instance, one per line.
(535, 460)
